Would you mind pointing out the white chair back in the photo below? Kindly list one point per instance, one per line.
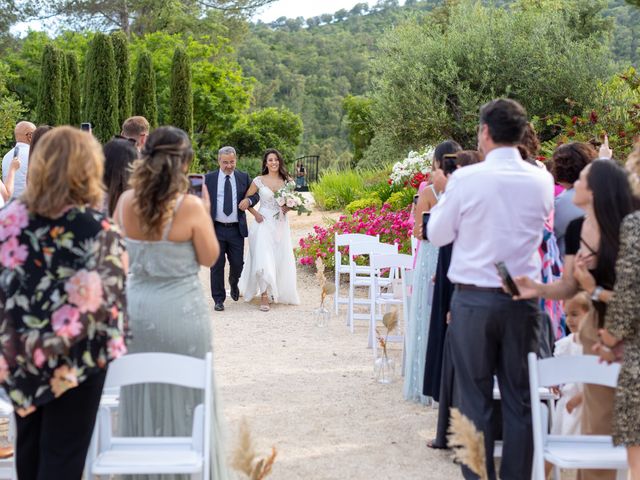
(156, 455)
(344, 240)
(555, 371)
(168, 368)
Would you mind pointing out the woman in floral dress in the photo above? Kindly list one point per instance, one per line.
(62, 305)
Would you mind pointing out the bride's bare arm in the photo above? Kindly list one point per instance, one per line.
(257, 215)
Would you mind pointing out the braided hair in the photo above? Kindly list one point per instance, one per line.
(159, 177)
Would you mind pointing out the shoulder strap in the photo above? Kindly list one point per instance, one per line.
(167, 228)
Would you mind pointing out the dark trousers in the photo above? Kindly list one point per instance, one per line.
(232, 249)
(52, 442)
(492, 334)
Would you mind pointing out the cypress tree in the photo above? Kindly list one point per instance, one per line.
(64, 90)
(181, 100)
(101, 88)
(144, 90)
(75, 115)
(121, 51)
(49, 91)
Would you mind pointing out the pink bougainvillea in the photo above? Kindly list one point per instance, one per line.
(392, 226)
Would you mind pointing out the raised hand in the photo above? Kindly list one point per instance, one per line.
(15, 164)
(605, 151)
(206, 200)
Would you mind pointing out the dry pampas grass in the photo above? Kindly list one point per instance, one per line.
(467, 443)
(390, 321)
(245, 459)
(326, 288)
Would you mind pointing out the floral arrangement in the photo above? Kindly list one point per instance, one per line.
(467, 443)
(393, 227)
(288, 197)
(390, 322)
(412, 170)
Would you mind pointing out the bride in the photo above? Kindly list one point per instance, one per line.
(270, 268)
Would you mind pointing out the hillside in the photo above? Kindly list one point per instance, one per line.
(310, 65)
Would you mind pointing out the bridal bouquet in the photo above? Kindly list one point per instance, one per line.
(288, 197)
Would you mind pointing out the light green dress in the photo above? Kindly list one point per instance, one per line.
(168, 312)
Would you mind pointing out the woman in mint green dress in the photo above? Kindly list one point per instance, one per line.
(425, 262)
(169, 236)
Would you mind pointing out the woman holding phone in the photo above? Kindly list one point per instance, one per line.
(425, 260)
(169, 234)
(592, 243)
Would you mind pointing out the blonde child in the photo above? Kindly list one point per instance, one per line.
(566, 420)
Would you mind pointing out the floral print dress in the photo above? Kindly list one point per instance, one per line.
(62, 302)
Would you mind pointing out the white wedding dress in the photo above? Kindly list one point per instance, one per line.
(270, 265)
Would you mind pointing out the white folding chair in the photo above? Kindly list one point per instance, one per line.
(571, 451)
(344, 240)
(362, 276)
(399, 265)
(110, 455)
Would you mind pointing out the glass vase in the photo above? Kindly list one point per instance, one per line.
(321, 317)
(384, 369)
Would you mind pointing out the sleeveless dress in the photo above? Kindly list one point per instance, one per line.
(270, 266)
(419, 317)
(168, 312)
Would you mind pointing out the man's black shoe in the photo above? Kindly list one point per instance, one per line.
(219, 307)
(235, 293)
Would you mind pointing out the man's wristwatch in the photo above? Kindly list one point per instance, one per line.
(595, 296)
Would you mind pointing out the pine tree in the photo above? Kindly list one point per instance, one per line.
(49, 105)
(181, 101)
(144, 90)
(101, 88)
(64, 90)
(121, 51)
(75, 115)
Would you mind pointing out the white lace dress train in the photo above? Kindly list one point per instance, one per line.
(270, 265)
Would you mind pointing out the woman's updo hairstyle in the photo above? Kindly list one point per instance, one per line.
(160, 176)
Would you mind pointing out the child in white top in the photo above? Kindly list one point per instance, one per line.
(568, 412)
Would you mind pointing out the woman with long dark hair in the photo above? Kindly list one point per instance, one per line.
(119, 156)
(592, 244)
(270, 269)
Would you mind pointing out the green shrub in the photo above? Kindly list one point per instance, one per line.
(401, 199)
(335, 190)
(371, 200)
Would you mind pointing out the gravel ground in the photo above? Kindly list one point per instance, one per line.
(311, 393)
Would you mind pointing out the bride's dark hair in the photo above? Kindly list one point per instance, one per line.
(282, 171)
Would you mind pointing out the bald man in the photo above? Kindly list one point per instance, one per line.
(22, 132)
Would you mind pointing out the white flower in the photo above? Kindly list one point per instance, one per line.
(291, 202)
(281, 201)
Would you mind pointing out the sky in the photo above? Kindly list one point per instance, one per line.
(279, 8)
(304, 8)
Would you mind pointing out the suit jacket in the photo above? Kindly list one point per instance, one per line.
(243, 182)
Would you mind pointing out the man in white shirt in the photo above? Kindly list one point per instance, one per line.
(23, 133)
(494, 211)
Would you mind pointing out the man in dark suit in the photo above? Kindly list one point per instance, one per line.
(227, 188)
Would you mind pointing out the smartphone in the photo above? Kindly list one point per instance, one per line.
(16, 151)
(196, 183)
(507, 280)
(85, 127)
(425, 222)
(415, 199)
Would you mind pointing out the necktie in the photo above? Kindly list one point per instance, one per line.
(227, 208)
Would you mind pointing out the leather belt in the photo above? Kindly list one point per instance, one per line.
(222, 224)
(475, 288)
